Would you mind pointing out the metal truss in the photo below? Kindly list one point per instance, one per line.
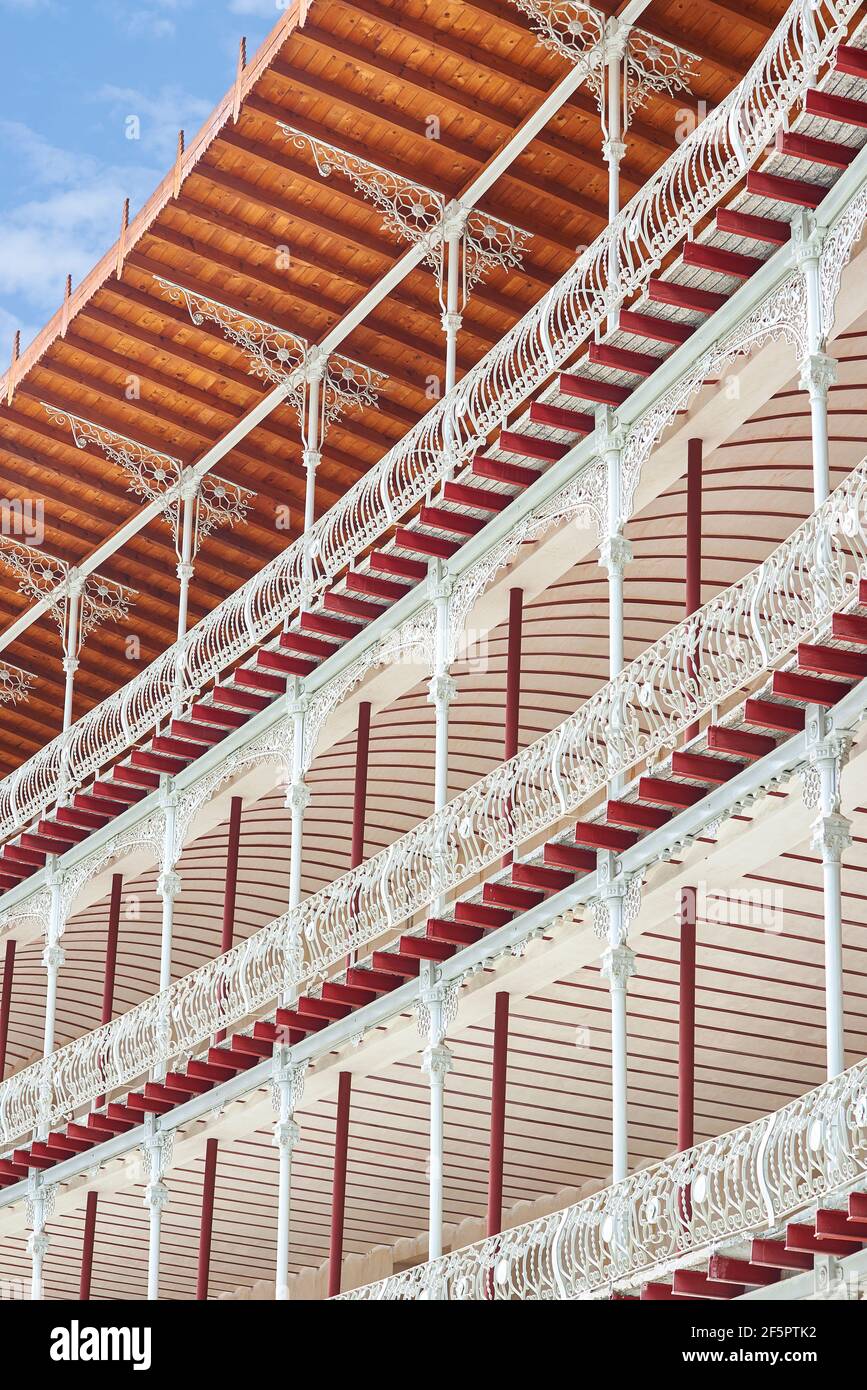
(417, 214)
(161, 478)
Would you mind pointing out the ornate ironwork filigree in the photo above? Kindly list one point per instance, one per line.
(15, 684)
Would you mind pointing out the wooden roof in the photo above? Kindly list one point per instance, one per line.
(369, 75)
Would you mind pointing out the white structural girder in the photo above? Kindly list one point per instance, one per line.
(161, 478)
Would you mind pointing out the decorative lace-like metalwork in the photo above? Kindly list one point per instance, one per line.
(745, 1182)
(44, 578)
(161, 478)
(703, 661)
(15, 684)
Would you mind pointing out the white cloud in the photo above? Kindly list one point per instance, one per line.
(159, 117)
(264, 9)
(9, 325)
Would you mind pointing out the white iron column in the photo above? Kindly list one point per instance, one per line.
(40, 1204)
(169, 882)
(185, 572)
(287, 1089)
(157, 1155)
(613, 146)
(831, 837)
(818, 370)
(441, 691)
(436, 1064)
(453, 236)
(615, 552)
(71, 644)
(298, 795)
(53, 956)
(618, 964)
(315, 371)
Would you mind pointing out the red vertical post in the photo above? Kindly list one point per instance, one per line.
(359, 802)
(686, 1022)
(693, 536)
(227, 932)
(513, 679)
(87, 1249)
(338, 1191)
(498, 1114)
(6, 1003)
(207, 1226)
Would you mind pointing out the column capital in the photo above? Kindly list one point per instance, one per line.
(70, 665)
(169, 884)
(442, 690)
(312, 459)
(185, 570)
(818, 374)
(297, 798)
(156, 1195)
(436, 1062)
(286, 1135)
(618, 965)
(439, 582)
(615, 553)
(614, 151)
(609, 435)
(807, 238)
(53, 957)
(451, 322)
(38, 1243)
(831, 836)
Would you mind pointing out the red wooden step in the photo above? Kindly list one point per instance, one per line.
(75, 817)
(723, 1269)
(455, 523)
(207, 1071)
(265, 1030)
(258, 680)
(151, 762)
(327, 624)
(239, 699)
(338, 993)
(846, 110)
(27, 858)
(116, 791)
(499, 472)
(16, 873)
(394, 963)
(694, 1284)
(632, 813)
(533, 446)
(154, 1090)
(373, 586)
(480, 915)
(10, 1169)
(141, 1104)
(347, 606)
(769, 715)
(290, 1021)
(42, 844)
(783, 190)
(587, 388)
(661, 792)
(457, 933)
(70, 834)
(387, 563)
(858, 1206)
(421, 544)
(832, 661)
(802, 1237)
(27, 1158)
(424, 949)
(136, 776)
(734, 263)
(258, 1047)
(287, 665)
(184, 1085)
(66, 1148)
(173, 748)
(849, 627)
(851, 60)
(215, 717)
(649, 326)
(310, 1007)
(837, 1225)
(479, 497)
(556, 418)
(539, 876)
(75, 1131)
(684, 296)
(306, 645)
(747, 224)
(622, 359)
(739, 741)
(811, 690)
(507, 895)
(828, 152)
(655, 1292)
(232, 1061)
(577, 861)
(205, 734)
(701, 768)
(375, 981)
(597, 835)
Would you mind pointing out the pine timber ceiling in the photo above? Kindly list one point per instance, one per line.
(367, 75)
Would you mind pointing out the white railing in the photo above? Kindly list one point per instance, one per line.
(705, 167)
(718, 1193)
(708, 658)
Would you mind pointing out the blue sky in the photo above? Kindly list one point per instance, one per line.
(74, 72)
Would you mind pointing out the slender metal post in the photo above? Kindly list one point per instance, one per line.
(693, 540)
(436, 1064)
(288, 1088)
(498, 1113)
(168, 884)
(86, 1278)
(831, 837)
(338, 1190)
(618, 965)
(53, 956)
(686, 1022)
(613, 147)
(207, 1223)
(451, 315)
(185, 572)
(40, 1203)
(615, 553)
(513, 682)
(71, 645)
(156, 1150)
(298, 795)
(818, 370)
(6, 1002)
(441, 691)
